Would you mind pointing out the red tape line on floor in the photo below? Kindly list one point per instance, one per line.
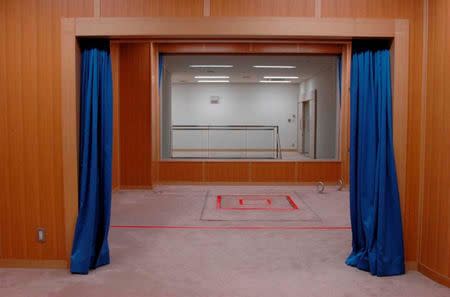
(321, 228)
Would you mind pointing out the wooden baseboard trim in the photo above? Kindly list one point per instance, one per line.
(27, 263)
(437, 277)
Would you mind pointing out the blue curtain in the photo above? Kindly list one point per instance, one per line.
(160, 70)
(374, 198)
(90, 247)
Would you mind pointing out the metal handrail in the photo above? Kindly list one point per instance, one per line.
(223, 127)
(208, 128)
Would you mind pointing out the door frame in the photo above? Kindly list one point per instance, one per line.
(279, 29)
(312, 104)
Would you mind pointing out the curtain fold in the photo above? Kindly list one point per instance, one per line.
(90, 246)
(377, 243)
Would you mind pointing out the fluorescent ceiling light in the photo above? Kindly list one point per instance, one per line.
(275, 81)
(213, 81)
(211, 66)
(280, 77)
(212, 77)
(274, 66)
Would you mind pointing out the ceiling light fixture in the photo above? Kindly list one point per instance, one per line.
(275, 81)
(212, 77)
(213, 81)
(280, 77)
(211, 66)
(274, 66)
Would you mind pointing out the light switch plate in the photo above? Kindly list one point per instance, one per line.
(41, 235)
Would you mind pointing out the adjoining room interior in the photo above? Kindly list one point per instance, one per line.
(250, 106)
(224, 148)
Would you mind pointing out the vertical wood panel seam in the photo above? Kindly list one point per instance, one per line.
(206, 8)
(97, 8)
(119, 180)
(423, 127)
(3, 121)
(27, 246)
(68, 125)
(115, 60)
(155, 104)
(318, 8)
(400, 103)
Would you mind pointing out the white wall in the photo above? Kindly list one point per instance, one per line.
(325, 82)
(240, 104)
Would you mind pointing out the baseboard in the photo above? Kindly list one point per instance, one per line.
(28, 263)
(437, 277)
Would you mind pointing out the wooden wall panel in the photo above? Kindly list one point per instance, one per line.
(370, 8)
(197, 47)
(413, 11)
(273, 172)
(345, 114)
(30, 124)
(155, 108)
(135, 115)
(136, 8)
(115, 61)
(30, 121)
(435, 241)
(248, 172)
(227, 171)
(288, 8)
(251, 47)
(181, 171)
(5, 198)
(319, 171)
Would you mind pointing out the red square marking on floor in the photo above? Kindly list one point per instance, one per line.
(256, 202)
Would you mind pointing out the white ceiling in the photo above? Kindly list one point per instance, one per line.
(243, 72)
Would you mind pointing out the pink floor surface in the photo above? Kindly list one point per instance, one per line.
(181, 255)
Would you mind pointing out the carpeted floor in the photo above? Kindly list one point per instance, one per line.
(161, 248)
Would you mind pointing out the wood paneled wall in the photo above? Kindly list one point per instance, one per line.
(285, 8)
(136, 8)
(247, 171)
(434, 257)
(413, 11)
(115, 63)
(30, 142)
(134, 115)
(30, 126)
